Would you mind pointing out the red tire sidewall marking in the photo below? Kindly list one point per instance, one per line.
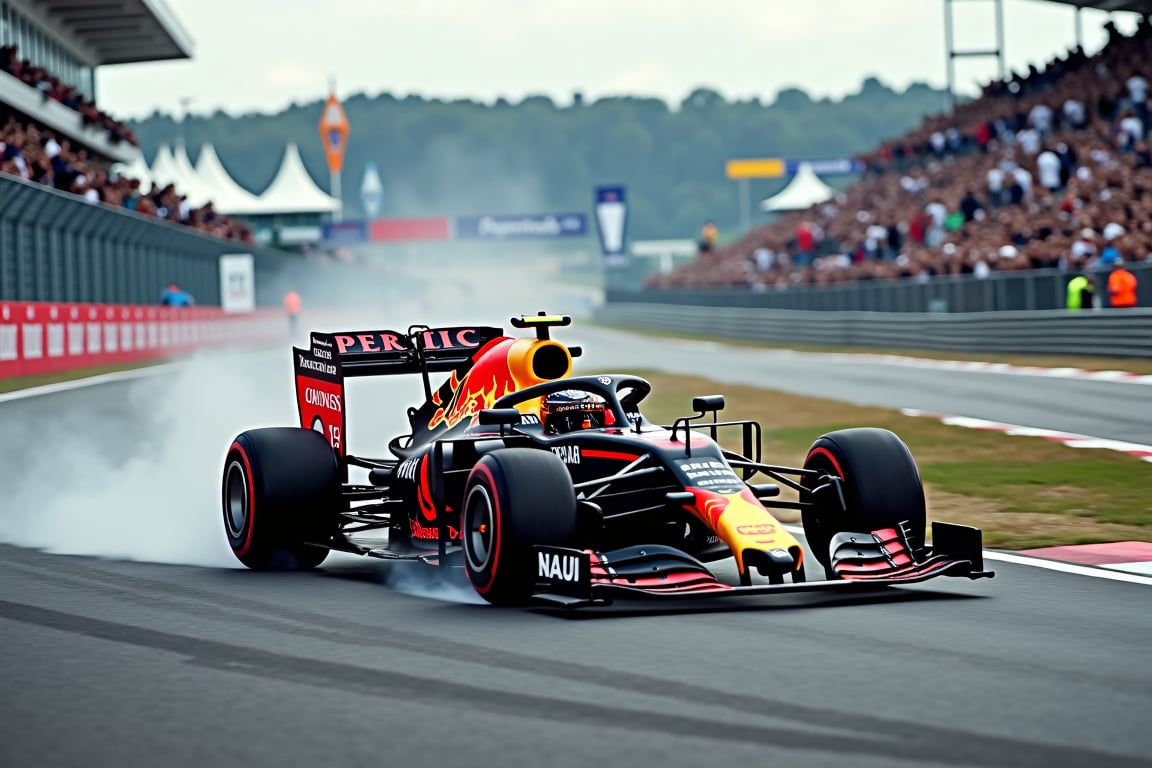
(489, 480)
(822, 451)
(249, 481)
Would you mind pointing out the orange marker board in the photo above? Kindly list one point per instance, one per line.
(334, 133)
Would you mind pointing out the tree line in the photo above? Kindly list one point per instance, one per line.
(460, 157)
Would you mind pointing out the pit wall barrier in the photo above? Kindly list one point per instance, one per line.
(39, 337)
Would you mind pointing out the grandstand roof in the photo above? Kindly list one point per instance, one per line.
(121, 31)
(1135, 6)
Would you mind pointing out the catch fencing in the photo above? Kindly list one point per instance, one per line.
(1107, 332)
(56, 247)
(1037, 289)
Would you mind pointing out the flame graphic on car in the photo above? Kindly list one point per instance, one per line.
(469, 398)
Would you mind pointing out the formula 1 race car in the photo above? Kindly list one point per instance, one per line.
(549, 487)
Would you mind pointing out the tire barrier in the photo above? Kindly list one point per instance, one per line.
(1107, 332)
(38, 338)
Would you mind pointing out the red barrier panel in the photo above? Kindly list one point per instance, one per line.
(40, 337)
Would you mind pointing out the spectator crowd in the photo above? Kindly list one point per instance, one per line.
(39, 155)
(70, 96)
(1051, 168)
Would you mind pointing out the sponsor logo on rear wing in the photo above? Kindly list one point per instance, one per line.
(371, 353)
(320, 393)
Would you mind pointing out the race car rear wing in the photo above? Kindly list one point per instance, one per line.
(421, 349)
(331, 357)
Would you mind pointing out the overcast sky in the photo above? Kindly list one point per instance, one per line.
(260, 55)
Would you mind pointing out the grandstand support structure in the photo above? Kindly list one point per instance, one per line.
(952, 52)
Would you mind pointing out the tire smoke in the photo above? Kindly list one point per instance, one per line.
(132, 470)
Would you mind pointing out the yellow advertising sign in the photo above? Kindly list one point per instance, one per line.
(758, 168)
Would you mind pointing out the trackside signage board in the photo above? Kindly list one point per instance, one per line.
(41, 337)
(612, 222)
(237, 282)
(521, 227)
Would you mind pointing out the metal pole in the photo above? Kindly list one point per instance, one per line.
(949, 52)
(1079, 28)
(745, 204)
(338, 214)
(1000, 37)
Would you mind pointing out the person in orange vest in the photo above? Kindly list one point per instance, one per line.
(1121, 288)
(292, 307)
(708, 237)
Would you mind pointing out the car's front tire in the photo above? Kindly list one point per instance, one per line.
(280, 490)
(880, 481)
(515, 498)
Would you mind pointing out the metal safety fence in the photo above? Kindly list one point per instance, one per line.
(1038, 289)
(1107, 332)
(55, 247)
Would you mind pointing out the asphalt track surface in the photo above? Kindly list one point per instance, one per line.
(121, 663)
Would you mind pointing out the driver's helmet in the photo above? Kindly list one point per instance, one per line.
(572, 409)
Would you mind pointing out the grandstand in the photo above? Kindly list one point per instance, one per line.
(54, 133)
(1048, 168)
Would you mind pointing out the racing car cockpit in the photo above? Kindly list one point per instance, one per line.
(570, 410)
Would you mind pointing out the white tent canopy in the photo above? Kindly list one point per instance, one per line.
(293, 190)
(227, 196)
(164, 170)
(805, 190)
(190, 184)
(175, 168)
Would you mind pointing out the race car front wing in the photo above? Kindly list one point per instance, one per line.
(575, 578)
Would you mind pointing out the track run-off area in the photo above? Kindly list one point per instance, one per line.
(130, 637)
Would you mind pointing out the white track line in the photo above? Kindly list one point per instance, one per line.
(89, 381)
(1096, 572)
(1114, 376)
(1070, 439)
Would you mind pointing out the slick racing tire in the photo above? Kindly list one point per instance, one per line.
(881, 485)
(281, 489)
(514, 498)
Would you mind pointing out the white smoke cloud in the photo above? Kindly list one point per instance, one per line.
(139, 478)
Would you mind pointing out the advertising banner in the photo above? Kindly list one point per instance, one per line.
(612, 223)
(344, 232)
(826, 166)
(521, 227)
(40, 337)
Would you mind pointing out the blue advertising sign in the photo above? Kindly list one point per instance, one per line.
(612, 222)
(826, 166)
(345, 231)
(521, 227)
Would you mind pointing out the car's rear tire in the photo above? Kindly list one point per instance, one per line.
(881, 484)
(515, 498)
(280, 490)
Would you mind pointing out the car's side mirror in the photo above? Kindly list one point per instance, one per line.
(502, 416)
(708, 403)
(765, 490)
